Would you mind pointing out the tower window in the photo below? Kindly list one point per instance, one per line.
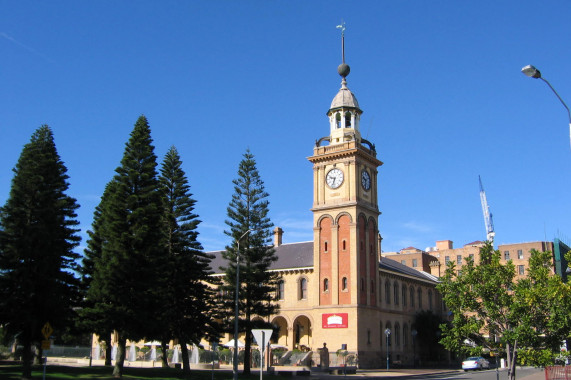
(338, 120)
(344, 284)
(347, 119)
(325, 247)
(344, 244)
(326, 285)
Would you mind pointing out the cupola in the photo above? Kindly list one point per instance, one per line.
(344, 113)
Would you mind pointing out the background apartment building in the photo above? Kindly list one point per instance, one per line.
(434, 260)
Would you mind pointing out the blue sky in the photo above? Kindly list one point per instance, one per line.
(439, 83)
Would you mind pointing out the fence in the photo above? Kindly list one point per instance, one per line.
(558, 373)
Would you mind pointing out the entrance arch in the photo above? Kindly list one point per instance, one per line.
(302, 333)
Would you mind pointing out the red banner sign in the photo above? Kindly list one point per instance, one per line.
(335, 321)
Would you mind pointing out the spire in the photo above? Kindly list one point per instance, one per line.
(344, 113)
(343, 68)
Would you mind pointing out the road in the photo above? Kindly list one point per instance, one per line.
(522, 373)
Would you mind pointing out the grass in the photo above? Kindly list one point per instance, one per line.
(14, 372)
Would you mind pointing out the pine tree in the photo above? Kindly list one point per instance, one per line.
(188, 306)
(37, 237)
(89, 321)
(129, 272)
(248, 211)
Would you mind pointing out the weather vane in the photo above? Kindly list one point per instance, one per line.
(342, 27)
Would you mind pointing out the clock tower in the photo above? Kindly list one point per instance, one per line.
(345, 214)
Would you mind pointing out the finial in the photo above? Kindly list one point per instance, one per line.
(343, 68)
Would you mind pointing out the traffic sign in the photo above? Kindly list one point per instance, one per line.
(47, 330)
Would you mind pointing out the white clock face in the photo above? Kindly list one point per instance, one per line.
(365, 180)
(334, 178)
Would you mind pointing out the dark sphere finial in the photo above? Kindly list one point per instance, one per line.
(343, 70)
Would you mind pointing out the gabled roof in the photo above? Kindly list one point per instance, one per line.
(290, 256)
(300, 255)
(477, 242)
(395, 266)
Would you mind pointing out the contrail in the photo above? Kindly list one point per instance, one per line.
(31, 50)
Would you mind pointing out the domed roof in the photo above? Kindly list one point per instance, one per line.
(344, 98)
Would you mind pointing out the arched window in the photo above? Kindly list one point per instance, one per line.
(344, 284)
(326, 285)
(405, 335)
(419, 292)
(280, 291)
(397, 334)
(412, 296)
(396, 292)
(325, 247)
(303, 288)
(347, 119)
(388, 292)
(404, 290)
(430, 300)
(344, 245)
(338, 120)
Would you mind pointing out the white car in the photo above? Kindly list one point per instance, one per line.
(475, 362)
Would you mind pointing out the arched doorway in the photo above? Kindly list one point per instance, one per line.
(302, 337)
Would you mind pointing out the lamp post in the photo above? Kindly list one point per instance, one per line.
(414, 333)
(532, 72)
(236, 309)
(388, 334)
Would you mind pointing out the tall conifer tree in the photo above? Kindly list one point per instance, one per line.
(38, 229)
(188, 309)
(248, 211)
(89, 321)
(130, 270)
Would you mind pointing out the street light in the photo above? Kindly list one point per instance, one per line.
(236, 310)
(532, 72)
(388, 334)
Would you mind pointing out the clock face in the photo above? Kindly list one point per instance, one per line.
(334, 178)
(365, 180)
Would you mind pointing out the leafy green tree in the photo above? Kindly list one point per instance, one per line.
(188, 297)
(38, 230)
(248, 211)
(124, 288)
(493, 310)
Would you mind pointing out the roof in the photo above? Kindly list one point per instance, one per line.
(477, 242)
(294, 255)
(344, 98)
(300, 255)
(395, 266)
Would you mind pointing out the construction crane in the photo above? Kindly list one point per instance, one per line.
(487, 215)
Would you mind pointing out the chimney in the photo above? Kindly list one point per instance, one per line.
(444, 244)
(278, 233)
